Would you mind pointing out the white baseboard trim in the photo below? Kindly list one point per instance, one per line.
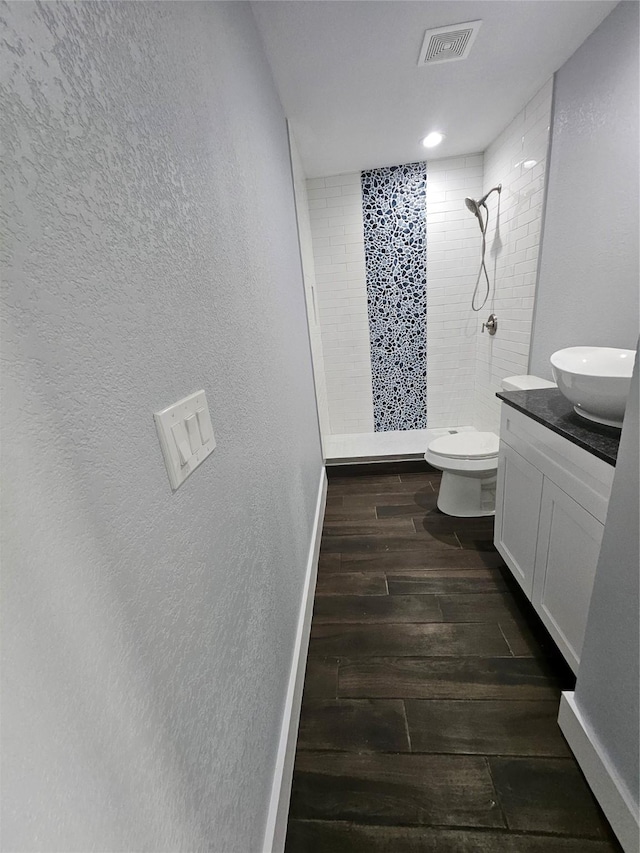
(609, 790)
(276, 829)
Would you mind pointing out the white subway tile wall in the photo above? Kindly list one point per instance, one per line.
(518, 160)
(464, 366)
(453, 253)
(335, 212)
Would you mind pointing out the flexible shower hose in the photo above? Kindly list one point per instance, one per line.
(483, 266)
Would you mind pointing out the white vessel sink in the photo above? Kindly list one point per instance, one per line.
(596, 380)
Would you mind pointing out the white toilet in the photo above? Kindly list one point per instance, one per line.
(469, 462)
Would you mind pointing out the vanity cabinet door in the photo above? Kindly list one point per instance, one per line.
(518, 498)
(566, 560)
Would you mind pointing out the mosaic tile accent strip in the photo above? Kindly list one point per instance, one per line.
(395, 245)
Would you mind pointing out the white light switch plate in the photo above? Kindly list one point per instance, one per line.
(194, 440)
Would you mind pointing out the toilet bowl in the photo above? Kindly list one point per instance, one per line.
(469, 462)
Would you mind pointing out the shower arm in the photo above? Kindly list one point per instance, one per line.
(497, 189)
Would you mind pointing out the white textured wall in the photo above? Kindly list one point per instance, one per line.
(335, 210)
(151, 250)
(589, 267)
(452, 263)
(588, 294)
(513, 243)
(310, 287)
(608, 686)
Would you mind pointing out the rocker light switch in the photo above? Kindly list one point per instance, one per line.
(204, 423)
(193, 432)
(182, 443)
(186, 436)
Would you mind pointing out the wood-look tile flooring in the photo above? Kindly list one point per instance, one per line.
(431, 692)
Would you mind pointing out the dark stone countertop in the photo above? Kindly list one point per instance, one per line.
(551, 409)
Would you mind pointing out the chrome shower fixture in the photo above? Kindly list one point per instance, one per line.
(497, 189)
(474, 206)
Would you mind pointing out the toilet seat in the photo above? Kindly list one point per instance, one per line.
(466, 445)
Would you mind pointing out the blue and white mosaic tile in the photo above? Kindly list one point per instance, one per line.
(395, 243)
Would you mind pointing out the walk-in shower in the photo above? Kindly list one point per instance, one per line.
(474, 206)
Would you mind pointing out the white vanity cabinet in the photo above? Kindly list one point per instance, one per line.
(551, 504)
(516, 525)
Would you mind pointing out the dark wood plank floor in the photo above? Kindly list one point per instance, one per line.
(431, 693)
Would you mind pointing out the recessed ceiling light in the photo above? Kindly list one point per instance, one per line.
(433, 139)
(529, 164)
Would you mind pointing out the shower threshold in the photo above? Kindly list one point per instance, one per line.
(382, 446)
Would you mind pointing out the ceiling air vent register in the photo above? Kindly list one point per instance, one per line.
(448, 44)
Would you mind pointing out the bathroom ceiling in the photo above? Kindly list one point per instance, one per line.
(350, 84)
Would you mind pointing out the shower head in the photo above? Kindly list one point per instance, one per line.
(473, 206)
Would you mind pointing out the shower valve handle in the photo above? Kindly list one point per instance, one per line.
(491, 325)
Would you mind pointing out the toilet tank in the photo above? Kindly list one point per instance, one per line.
(525, 383)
